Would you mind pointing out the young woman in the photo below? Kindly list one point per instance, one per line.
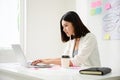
(81, 43)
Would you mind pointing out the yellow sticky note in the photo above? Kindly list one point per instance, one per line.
(92, 12)
(107, 36)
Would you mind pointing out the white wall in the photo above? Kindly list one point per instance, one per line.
(43, 28)
(109, 49)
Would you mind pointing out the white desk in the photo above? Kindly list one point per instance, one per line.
(17, 72)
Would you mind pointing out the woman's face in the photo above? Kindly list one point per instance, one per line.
(68, 28)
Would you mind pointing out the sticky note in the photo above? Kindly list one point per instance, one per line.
(98, 3)
(93, 4)
(107, 6)
(98, 10)
(107, 36)
(92, 12)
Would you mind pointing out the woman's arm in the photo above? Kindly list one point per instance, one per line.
(56, 61)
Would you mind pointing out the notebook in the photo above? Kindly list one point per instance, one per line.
(22, 59)
(96, 70)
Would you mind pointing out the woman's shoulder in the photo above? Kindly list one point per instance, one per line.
(89, 36)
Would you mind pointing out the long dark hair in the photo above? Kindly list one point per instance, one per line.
(79, 28)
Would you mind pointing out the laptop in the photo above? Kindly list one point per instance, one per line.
(22, 59)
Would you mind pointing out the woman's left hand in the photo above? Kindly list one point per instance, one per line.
(36, 62)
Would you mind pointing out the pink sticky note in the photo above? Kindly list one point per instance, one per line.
(107, 6)
(98, 3)
(93, 4)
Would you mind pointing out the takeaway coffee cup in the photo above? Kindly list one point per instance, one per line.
(65, 61)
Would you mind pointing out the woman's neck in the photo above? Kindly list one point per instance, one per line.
(77, 39)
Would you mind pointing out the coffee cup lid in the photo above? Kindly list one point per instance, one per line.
(65, 56)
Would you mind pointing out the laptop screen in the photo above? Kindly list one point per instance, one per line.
(19, 54)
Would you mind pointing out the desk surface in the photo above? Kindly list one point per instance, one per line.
(55, 73)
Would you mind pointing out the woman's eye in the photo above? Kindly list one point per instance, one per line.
(66, 25)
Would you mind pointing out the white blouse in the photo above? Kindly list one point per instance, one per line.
(88, 54)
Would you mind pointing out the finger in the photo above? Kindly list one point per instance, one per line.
(35, 62)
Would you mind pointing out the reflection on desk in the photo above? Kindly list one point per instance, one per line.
(113, 78)
(17, 72)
